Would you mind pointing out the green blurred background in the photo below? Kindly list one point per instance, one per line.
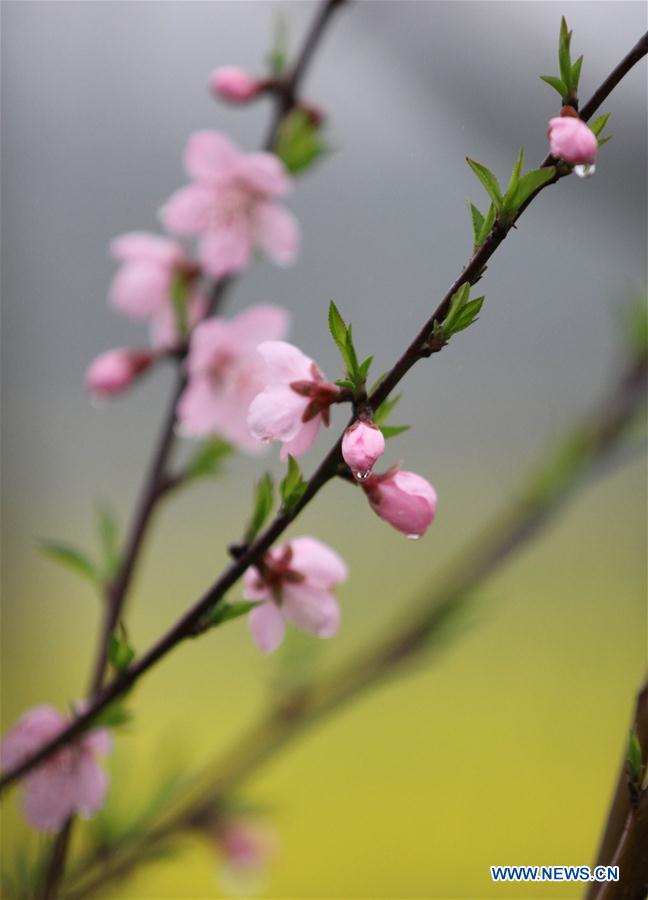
(504, 748)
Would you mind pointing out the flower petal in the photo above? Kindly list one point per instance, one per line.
(31, 731)
(226, 250)
(140, 289)
(90, 785)
(276, 414)
(276, 232)
(320, 565)
(187, 211)
(263, 322)
(49, 797)
(264, 173)
(303, 440)
(267, 627)
(285, 362)
(312, 609)
(198, 407)
(210, 156)
(140, 246)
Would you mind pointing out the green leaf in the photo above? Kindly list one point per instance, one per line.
(477, 222)
(575, 74)
(457, 302)
(298, 143)
(343, 336)
(179, 290)
(365, 365)
(113, 716)
(225, 612)
(383, 411)
(564, 58)
(293, 485)
(487, 225)
(599, 124)
(557, 84)
(529, 184)
(208, 458)
(345, 383)
(120, 652)
(73, 559)
(278, 55)
(263, 503)
(515, 174)
(468, 315)
(109, 539)
(633, 759)
(604, 140)
(390, 431)
(488, 180)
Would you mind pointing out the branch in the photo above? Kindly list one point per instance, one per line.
(185, 626)
(585, 448)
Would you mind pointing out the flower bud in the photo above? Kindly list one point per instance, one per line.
(363, 443)
(234, 84)
(114, 371)
(570, 139)
(405, 500)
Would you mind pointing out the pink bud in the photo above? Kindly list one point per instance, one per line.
(114, 371)
(363, 443)
(571, 140)
(234, 84)
(405, 500)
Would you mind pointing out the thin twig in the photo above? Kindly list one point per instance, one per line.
(184, 626)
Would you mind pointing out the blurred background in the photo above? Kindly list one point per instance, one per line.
(504, 749)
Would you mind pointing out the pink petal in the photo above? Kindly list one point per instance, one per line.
(276, 414)
(263, 322)
(264, 173)
(198, 408)
(303, 440)
(98, 742)
(140, 289)
(49, 797)
(267, 627)
(90, 786)
(188, 211)
(35, 727)
(226, 250)
(285, 362)
(312, 609)
(254, 588)
(276, 232)
(140, 246)
(321, 566)
(210, 156)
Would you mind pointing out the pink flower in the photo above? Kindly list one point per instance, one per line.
(405, 500)
(233, 84)
(363, 443)
(230, 205)
(70, 781)
(141, 289)
(294, 584)
(114, 371)
(570, 139)
(295, 399)
(245, 844)
(225, 373)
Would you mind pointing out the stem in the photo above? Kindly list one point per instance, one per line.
(410, 638)
(184, 627)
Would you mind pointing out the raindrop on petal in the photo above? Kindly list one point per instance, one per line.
(413, 537)
(585, 171)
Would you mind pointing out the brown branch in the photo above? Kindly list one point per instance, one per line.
(184, 627)
(410, 637)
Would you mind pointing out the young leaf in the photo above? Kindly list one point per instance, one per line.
(390, 431)
(263, 503)
(293, 485)
(564, 58)
(113, 716)
(477, 222)
(109, 538)
(225, 612)
(467, 315)
(343, 336)
(208, 458)
(73, 559)
(488, 180)
(557, 84)
(604, 140)
(575, 74)
(337, 325)
(529, 184)
(487, 224)
(299, 143)
(385, 408)
(515, 174)
(278, 54)
(457, 302)
(365, 365)
(599, 124)
(120, 652)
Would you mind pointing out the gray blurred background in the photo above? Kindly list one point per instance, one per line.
(97, 102)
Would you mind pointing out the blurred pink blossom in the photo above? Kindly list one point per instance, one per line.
(295, 399)
(114, 371)
(294, 584)
(142, 287)
(230, 205)
(571, 139)
(225, 373)
(70, 781)
(405, 500)
(234, 84)
(362, 445)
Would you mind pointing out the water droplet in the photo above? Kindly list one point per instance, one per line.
(413, 537)
(585, 171)
(361, 476)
